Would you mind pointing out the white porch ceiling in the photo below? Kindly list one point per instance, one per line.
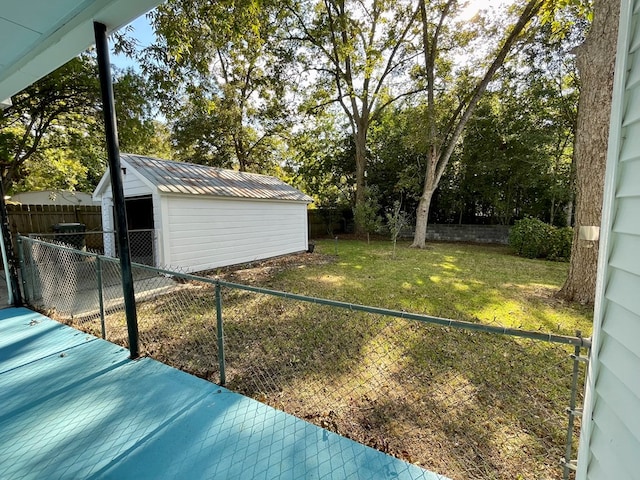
(38, 36)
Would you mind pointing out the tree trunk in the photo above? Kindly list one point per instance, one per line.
(241, 154)
(595, 61)
(361, 166)
(569, 212)
(441, 149)
(422, 213)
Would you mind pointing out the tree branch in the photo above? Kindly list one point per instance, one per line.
(531, 10)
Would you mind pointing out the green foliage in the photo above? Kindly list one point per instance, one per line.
(560, 244)
(53, 135)
(220, 70)
(60, 171)
(366, 214)
(322, 163)
(45, 115)
(515, 159)
(566, 17)
(529, 237)
(397, 220)
(362, 54)
(533, 238)
(397, 150)
(231, 74)
(138, 129)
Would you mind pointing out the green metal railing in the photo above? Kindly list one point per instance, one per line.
(32, 279)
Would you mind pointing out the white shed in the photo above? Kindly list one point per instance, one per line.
(610, 436)
(204, 217)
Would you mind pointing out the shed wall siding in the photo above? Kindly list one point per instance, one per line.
(132, 186)
(613, 434)
(209, 232)
(158, 234)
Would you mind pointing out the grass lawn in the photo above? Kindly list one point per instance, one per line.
(464, 404)
(463, 282)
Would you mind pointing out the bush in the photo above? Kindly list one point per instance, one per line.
(532, 238)
(560, 244)
(366, 215)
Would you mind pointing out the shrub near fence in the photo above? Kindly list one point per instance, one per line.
(532, 238)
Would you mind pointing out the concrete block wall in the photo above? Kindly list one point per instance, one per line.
(495, 234)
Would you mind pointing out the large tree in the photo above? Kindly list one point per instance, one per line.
(322, 162)
(596, 60)
(139, 130)
(221, 72)
(52, 136)
(361, 53)
(442, 134)
(514, 159)
(41, 113)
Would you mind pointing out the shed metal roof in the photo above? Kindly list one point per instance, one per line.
(192, 179)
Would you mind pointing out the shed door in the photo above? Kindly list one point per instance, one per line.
(141, 234)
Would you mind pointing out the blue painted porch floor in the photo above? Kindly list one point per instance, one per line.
(75, 407)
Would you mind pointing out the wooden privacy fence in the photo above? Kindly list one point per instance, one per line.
(26, 219)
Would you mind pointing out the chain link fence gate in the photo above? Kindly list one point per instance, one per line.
(465, 400)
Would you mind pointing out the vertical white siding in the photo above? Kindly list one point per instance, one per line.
(206, 232)
(610, 441)
(162, 227)
(158, 234)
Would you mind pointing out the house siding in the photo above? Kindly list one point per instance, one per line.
(610, 441)
(206, 232)
(159, 248)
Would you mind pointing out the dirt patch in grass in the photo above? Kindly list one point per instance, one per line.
(544, 293)
(260, 272)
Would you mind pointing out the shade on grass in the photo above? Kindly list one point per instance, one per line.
(459, 281)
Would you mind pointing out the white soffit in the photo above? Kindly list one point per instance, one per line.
(38, 36)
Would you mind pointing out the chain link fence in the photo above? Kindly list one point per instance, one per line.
(142, 243)
(464, 400)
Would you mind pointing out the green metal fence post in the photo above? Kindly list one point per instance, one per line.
(23, 269)
(103, 327)
(220, 334)
(34, 277)
(572, 412)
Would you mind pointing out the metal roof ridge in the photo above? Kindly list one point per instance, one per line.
(204, 167)
(173, 176)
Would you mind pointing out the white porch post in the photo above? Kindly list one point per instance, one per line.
(108, 236)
